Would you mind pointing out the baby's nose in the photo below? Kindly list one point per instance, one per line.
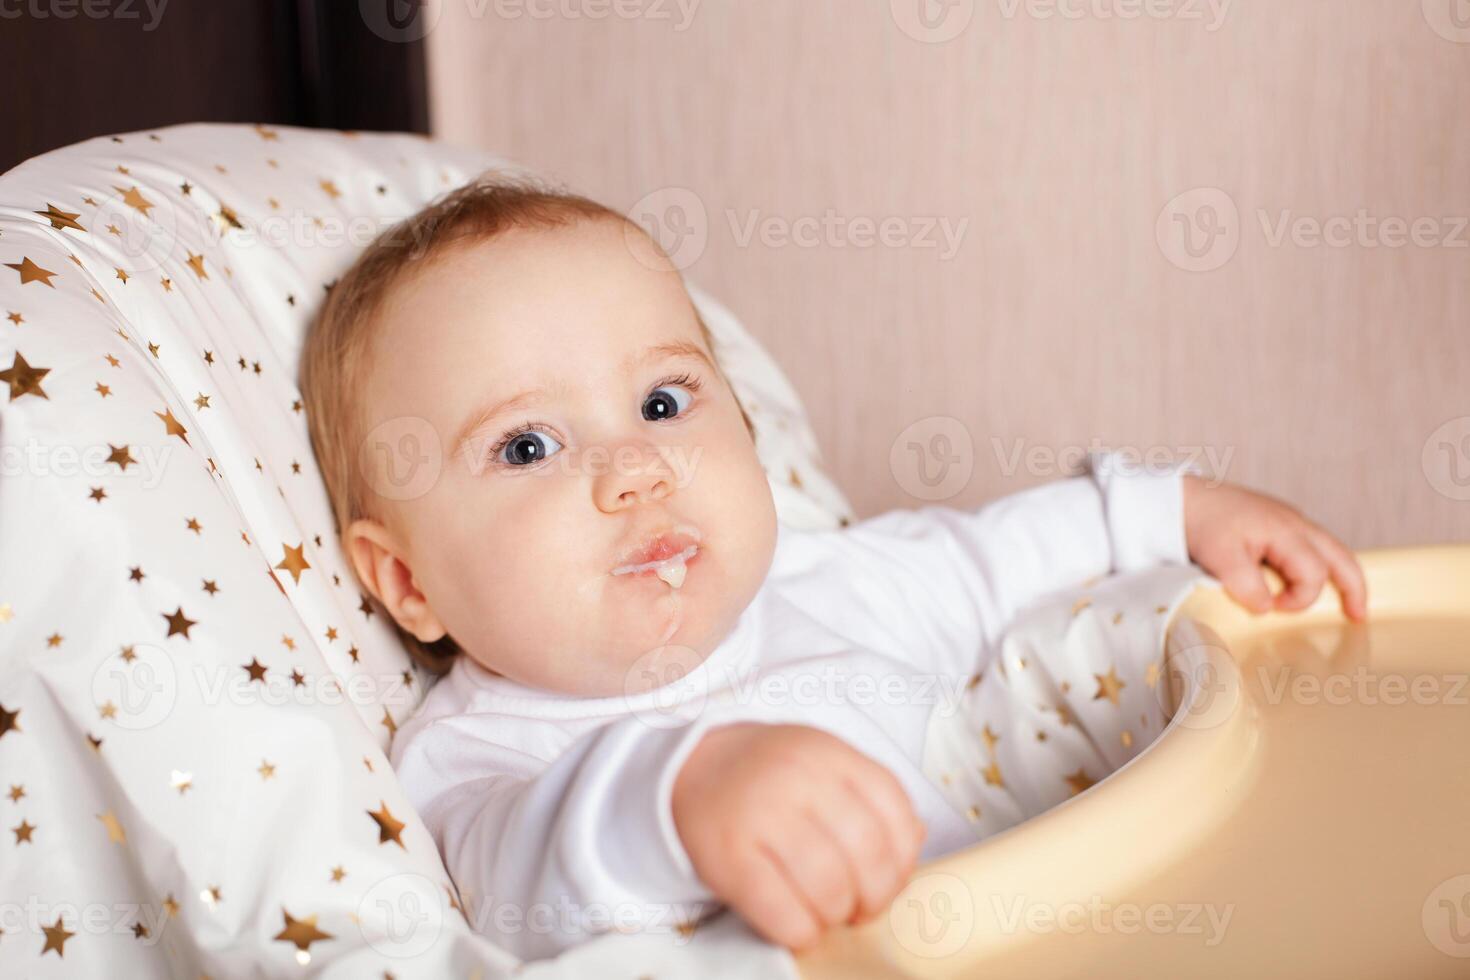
(635, 475)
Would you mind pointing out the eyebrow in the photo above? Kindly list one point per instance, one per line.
(650, 355)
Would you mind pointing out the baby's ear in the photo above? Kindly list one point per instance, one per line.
(374, 555)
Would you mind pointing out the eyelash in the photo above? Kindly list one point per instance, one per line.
(685, 380)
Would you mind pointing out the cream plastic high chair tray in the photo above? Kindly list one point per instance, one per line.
(1303, 815)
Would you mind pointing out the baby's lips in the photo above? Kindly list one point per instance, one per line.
(681, 540)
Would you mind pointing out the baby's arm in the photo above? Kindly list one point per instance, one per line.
(792, 827)
(948, 581)
(546, 856)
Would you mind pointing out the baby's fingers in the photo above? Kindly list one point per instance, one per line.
(1301, 567)
(1346, 573)
(770, 900)
(1241, 576)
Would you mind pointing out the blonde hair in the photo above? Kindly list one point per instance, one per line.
(336, 355)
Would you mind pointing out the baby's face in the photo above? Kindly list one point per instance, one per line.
(588, 446)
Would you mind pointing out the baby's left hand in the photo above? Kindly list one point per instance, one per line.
(1230, 531)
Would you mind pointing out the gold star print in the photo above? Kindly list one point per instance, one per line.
(127, 654)
(134, 198)
(107, 710)
(389, 828)
(255, 669)
(24, 379)
(1126, 738)
(352, 652)
(303, 932)
(1064, 715)
(136, 573)
(365, 606)
(298, 679)
(202, 402)
(269, 135)
(115, 831)
(95, 742)
(17, 793)
(170, 906)
(114, 230)
(389, 723)
(196, 263)
(15, 318)
(140, 931)
(56, 937)
(60, 219)
(112, 360)
(992, 775)
(330, 188)
(178, 622)
(121, 456)
(973, 813)
(288, 643)
(266, 770)
(1151, 675)
(5, 612)
(990, 739)
(172, 425)
(30, 272)
(153, 349)
(1108, 685)
(54, 640)
(1080, 605)
(211, 896)
(9, 721)
(295, 561)
(368, 763)
(166, 283)
(210, 586)
(181, 781)
(23, 832)
(103, 390)
(122, 274)
(193, 525)
(100, 298)
(331, 633)
(1078, 781)
(186, 187)
(338, 873)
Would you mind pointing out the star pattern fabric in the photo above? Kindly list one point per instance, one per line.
(1075, 689)
(195, 693)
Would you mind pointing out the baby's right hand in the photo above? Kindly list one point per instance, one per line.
(794, 829)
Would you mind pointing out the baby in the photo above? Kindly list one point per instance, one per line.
(595, 566)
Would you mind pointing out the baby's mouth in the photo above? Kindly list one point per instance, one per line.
(666, 556)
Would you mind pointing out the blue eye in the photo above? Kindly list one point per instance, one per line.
(665, 402)
(525, 448)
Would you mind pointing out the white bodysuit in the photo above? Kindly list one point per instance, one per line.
(553, 813)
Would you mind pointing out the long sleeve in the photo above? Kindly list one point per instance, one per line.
(546, 856)
(945, 582)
